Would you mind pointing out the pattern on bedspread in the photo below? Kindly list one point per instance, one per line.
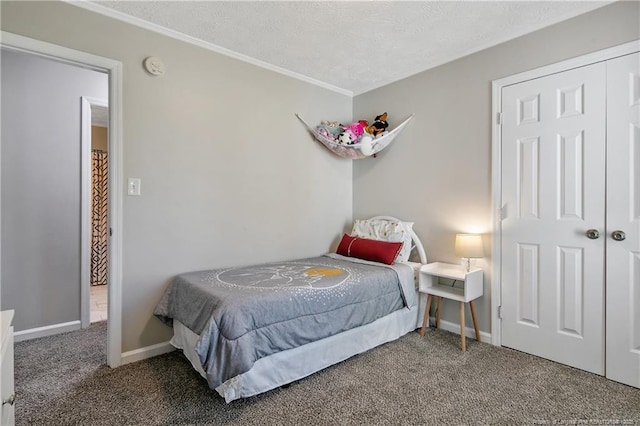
(244, 314)
(281, 275)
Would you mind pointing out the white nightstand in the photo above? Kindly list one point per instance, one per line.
(430, 275)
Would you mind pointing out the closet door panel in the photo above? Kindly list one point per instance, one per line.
(553, 190)
(623, 214)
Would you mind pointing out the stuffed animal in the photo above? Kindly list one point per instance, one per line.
(329, 129)
(345, 138)
(357, 129)
(351, 133)
(379, 125)
(332, 126)
(366, 144)
(323, 131)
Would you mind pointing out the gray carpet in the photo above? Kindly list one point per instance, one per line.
(62, 380)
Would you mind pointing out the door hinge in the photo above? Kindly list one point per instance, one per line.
(502, 213)
(110, 232)
(500, 312)
(498, 118)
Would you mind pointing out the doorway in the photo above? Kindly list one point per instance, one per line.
(95, 209)
(113, 70)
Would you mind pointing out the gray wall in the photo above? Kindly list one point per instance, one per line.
(442, 160)
(41, 186)
(229, 175)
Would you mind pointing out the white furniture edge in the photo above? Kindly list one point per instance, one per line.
(48, 330)
(7, 369)
(496, 160)
(460, 272)
(114, 69)
(473, 281)
(6, 318)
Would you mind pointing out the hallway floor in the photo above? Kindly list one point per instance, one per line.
(98, 303)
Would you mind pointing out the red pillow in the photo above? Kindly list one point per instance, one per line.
(374, 250)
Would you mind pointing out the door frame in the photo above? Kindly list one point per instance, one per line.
(114, 70)
(496, 157)
(85, 205)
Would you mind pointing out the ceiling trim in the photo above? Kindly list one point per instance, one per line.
(111, 13)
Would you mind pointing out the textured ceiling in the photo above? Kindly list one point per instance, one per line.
(350, 46)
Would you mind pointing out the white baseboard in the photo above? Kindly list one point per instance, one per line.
(48, 330)
(146, 352)
(455, 328)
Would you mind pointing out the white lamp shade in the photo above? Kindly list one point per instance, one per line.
(469, 245)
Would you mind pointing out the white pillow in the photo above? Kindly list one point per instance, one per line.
(384, 230)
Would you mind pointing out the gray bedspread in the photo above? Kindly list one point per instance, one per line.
(246, 313)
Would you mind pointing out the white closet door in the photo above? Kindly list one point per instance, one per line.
(623, 214)
(553, 183)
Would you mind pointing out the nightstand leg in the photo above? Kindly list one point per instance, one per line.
(462, 337)
(475, 322)
(425, 321)
(438, 312)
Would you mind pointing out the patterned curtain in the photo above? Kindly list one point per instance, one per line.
(99, 209)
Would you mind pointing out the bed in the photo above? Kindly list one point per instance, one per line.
(254, 328)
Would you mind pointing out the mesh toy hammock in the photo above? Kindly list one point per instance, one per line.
(357, 150)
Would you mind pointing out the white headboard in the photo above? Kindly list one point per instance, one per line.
(417, 244)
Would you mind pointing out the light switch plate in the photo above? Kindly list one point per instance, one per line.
(133, 186)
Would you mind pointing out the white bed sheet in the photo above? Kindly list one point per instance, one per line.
(288, 366)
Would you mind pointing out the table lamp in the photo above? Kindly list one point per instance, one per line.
(469, 246)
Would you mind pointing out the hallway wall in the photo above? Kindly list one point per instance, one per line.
(40, 186)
